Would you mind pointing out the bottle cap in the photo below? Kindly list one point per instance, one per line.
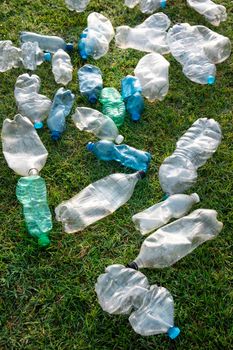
(132, 265)
(165, 196)
(141, 174)
(43, 241)
(55, 135)
(119, 139)
(83, 54)
(92, 98)
(163, 3)
(135, 117)
(173, 332)
(38, 125)
(47, 57)
(195, 197)
(69, 47)
(90, 146)
(210, 80)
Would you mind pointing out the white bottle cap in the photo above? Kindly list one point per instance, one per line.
(119, 139)
(195, 197)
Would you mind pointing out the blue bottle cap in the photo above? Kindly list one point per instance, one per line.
(165, 196)
(38, 125)
(173, 332)
(55, 135)
(47, 57)
(90, 146)
(135, 117)
(92, 99)
(163, 3)
(83, 54)
(210, 80)
(69, 47)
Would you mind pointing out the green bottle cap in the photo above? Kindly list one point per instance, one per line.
(43, 241)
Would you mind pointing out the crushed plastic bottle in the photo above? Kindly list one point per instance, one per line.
(131, 92)
(178, 172)
(62, 67)
(97, 201)
(131, 3)
(149, 36)
(61, 107)
(161, 213)
(152, 72)
(146, 6)
(33, 56)
(213, 13)
(90, 82)
(22, 147)
(198, 60)
(130, 85)
(113, 105)
(10, 56)
(100, 125)
(32, 194)
(172, 242)
(46, 42)
(122, 290)
(30, 103)
(77, 5)
(124, 154)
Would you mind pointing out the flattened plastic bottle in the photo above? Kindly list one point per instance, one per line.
(135, 106)
(161, 213)
(149, 36)
(172, 242)
(97, 201)
(124, 154)
(61, 107)
(152, 72)
(150, 6)
(213, 13)
(33, 56)
(48, 43)
(90, 82)
(30, 103)
(100, 125)
(77, 5)
(62, 67)
(10, 56)
(113, 105)
(178, 172)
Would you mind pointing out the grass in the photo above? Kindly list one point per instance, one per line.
(47, 297)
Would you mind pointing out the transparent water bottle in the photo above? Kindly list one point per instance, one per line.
(174, 207)
(135, 106)
(61, 107)
(33, 56)
(30, 103)
(149, 36)
(178, 172)
(172, 242)
(90, 82)
(213, 13)
(124, 154)
(77, 5)
(150, 6)
(10, 56)
(48, 43)
(97, 201)
(152, 72)
(62, 67)
(113, 105)
(100, 125)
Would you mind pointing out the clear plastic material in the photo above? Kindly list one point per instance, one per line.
(77, 5)
(152, 72)
(32, 55)
(46, 42)
(178, 172)
(10, 56)
(100, 125)
(161, 213)
(213, 13)
(124, 154)
(131, 3)
(146, 6)
(30, 103)
(96, 201)
(22, 147)
(90, 82)
(62, 67)
(149, 36)
(113, 105)
(172, 242)
(62, 104)
(198, 60)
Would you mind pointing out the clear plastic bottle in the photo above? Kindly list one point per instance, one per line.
(97, 201)
(33, 56)
(61, 107)
(149, 36)
(161, 213)
(150, 6)
(178, 172)
(10, 56)
(77, 5)
(48, 43)
(135, 106)
(131, 3)
(100, 125)
(62, 67)
(113, 105)
(172, 242)
(213, 13)
(124, 154)
(152, 72)
(30, 103)
(90, 82)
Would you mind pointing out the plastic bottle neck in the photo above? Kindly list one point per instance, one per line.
(43, 241)
(135, 117)
(33, 172)
(69, 47)
(55, 135)
(195, 197)
(47, 57)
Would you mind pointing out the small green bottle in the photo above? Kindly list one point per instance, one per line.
(113, 105)
(31, 192)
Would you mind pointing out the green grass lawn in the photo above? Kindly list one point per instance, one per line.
(47, 297)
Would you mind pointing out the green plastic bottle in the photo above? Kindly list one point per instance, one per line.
(31, 192)
(113, 105)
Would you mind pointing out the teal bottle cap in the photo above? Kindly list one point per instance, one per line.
(43, 241)
(135, 117)
(210, 80)
(38, 125)
(173, 332)
(165, 196)
(90, 146)
(47, 57)
(163, 3)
